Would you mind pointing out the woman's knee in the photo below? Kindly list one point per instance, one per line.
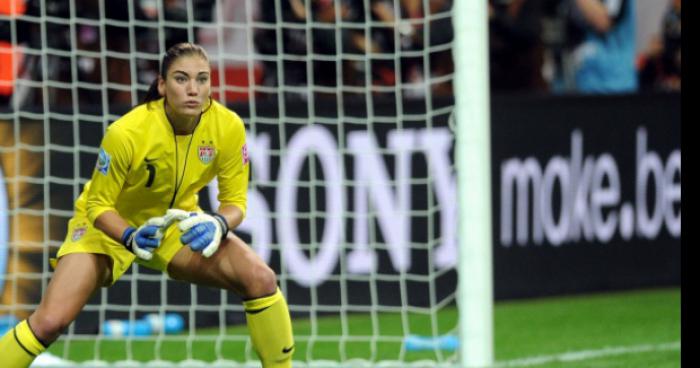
(48, 326)
(259, 281)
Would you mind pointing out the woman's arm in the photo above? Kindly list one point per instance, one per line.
(110, 223)
(232, 214)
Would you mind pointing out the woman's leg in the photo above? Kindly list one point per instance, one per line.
(76, 277)
(236, 267)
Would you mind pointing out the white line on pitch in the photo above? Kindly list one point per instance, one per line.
(588, 354)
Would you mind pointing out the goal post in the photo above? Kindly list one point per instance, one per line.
(473, 159)
(367, 127)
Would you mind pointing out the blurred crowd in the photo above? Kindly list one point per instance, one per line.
(354, 43)
(582, 46)
(323, 46)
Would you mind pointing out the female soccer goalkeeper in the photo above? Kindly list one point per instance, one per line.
(141, 205)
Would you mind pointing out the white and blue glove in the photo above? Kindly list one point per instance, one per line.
(144, 240)
(203, 232)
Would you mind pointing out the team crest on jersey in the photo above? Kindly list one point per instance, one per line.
(78, 233)
(103, 161)
(206, 154)
(244, 153)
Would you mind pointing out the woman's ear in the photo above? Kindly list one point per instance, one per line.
(161, 86)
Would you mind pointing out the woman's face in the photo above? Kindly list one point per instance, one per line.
(187, 85)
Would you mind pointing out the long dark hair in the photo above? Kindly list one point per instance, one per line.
(174, 52)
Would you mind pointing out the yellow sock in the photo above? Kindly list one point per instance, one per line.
(271, 330)
(19, 346)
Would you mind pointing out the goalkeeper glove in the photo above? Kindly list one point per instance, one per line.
(203, 232)
(144, 240)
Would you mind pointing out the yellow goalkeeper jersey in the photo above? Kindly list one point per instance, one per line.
(143, 168)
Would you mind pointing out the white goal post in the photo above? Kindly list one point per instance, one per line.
(473, 155)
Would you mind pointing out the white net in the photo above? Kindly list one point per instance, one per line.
(352, 198)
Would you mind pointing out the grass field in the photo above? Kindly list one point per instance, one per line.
(624, 329)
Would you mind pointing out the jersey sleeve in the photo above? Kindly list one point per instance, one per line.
(113, 162)
(233, 171)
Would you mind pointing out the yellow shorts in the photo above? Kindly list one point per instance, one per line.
(82, 237)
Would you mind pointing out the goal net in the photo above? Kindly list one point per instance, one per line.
(352, 197)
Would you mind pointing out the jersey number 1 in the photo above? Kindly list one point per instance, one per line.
(151, 175)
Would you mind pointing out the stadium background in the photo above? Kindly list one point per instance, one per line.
(646, 256)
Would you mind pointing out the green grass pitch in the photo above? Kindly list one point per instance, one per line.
(619, 329)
